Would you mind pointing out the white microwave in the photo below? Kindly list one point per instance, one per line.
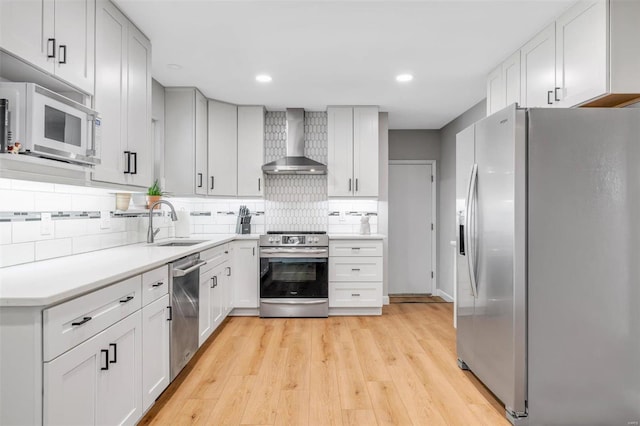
(50, 125)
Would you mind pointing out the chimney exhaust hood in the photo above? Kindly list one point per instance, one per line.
(295, 163)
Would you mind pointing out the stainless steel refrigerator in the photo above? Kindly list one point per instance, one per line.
(548, 263)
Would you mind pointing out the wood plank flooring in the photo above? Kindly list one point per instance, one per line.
(396, 369)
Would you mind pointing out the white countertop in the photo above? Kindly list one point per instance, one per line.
(356, 237)
(52, 281)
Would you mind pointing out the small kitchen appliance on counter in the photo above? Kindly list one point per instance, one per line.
(294, 274)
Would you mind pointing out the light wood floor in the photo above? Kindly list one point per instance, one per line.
(399, 368)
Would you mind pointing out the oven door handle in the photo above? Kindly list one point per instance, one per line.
(293, 302)
(293, 251)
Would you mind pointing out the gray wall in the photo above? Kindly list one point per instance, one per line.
(447, 190)
(414, 144)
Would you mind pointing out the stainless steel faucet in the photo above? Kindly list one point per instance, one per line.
(151, 233)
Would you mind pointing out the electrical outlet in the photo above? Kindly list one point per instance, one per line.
(105, 219)
(46, 224)
(342, 216)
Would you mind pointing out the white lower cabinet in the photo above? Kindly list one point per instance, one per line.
(245, 274)
(355, 294)
(98, 381)
(214, 295)
(155, 350)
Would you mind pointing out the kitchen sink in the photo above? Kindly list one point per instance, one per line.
(179, 243)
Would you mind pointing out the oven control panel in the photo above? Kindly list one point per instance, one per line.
(278, 240)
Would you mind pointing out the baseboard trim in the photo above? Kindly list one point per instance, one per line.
(385, 300)
(444, 295)
(245, 312)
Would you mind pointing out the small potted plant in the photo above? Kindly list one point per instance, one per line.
(154, 193)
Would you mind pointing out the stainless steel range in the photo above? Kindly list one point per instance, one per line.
(294, 274)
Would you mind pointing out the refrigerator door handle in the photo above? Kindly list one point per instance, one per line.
(471, 263)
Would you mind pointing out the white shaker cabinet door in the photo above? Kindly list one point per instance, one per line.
(139, 140)
(223, 145)
(365, 151)
(245, 274)
(495, 92)
(201, 136)
(26, 30)
(250, 151)
(218, 296)
(581, 52)
(75, 32)
(340, 150)
(205, 307)
(111, 92)
(155, 350)
(511, 79)
(538, 65)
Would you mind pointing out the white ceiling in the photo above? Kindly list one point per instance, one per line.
(323, 53)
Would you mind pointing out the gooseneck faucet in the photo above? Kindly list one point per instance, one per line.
(151, 233)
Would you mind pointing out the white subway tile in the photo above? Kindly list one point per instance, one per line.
(5, 183)
(16, 201)
(257, 229)
(70, 227)
(85, 243)
(25, 185)
(53, 248)
(215, 229)
(84, 202)
(118, 224)
(27, 231)
(112, 240)
(15, 254)
(340, 229)
(50, 201)
(198, 229)
(5, 233)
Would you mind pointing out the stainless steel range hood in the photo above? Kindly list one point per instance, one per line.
(295, 163)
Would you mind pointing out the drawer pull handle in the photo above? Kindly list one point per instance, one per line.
(355, 294)
(355, 269)
(84, 320)
(158, 284)
(115, 353)
(106, 358)
(355, 248)
(128, 299)
(170, 313)
(228, 271)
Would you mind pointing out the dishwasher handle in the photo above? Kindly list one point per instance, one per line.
(183, 272)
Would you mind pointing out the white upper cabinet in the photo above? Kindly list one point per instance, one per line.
(123, 99)
(511, 79)
(250, 151)
(365, 151)
(340, 161)
(223, 145)
(495, 91)
(353, 151)
(56, 36)
(538, 68)
(185, 148)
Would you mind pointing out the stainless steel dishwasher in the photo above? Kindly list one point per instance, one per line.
(183, 288)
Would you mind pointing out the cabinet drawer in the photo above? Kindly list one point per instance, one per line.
(355, 269)
(90, 313)
(355, 294)
(355, 248)
(155, 284)
(214, 256)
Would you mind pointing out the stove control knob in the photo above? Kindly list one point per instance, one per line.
(271, 239)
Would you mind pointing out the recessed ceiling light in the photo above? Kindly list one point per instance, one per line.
(263, 78)
(403, 78)
(174, 66)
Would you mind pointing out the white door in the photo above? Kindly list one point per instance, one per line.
(511, 79)
(538, 69)
(495, 94)
(205, 315)
(155, 350)
(223, 145)
(75, 32)
(365, 151)
(218, 300)
(410, 233)
(245, 274)
(340, 150)
(250, 151)
(202, 120)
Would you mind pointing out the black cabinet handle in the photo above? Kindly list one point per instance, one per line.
(135, 163)
(549, 93)
(213, 283)
(253, 251)
(127, 162)
(355, 294)
(226, 252)
(170, 313)
(556, 94)
(106, 358)
(229, 271)
(258, 184)
(199, 180)
(51, 43)
(356, 184)
(84, 320)
(115, 353)
(349, 184)
(158, 284)
(212, 182)
(355, 269)
(128, 299)
(63, 54)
